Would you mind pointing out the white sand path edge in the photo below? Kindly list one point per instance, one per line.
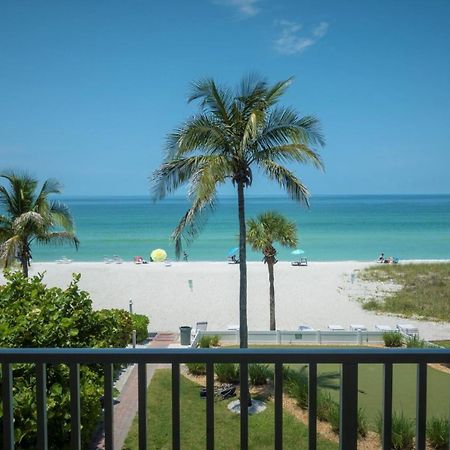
(320, 294)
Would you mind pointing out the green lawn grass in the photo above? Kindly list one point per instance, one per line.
(193, 410)
(370, 384)
(425, 290)
(445, 343)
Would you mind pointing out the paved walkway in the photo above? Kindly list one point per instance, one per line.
(125, 411)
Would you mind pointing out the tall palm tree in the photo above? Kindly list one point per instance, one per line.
(234, 133)
(30, 216)
(262, 232)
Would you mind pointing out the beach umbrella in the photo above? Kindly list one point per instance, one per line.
(298, 251)
(158, 255)
(233, 251)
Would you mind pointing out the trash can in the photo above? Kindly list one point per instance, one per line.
(185, 335)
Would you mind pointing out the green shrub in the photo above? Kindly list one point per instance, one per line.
(208, 341)
(402, 431)
(140, 324)
(259, 373)
(392, 339)
(415, 342)
(437, 433)
(32, 315)
(227, 372)
(324, 405)
(296, 385)
(196, 368)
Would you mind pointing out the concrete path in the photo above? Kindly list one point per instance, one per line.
(125, 411)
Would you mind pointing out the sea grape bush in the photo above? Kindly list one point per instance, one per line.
(33, 315)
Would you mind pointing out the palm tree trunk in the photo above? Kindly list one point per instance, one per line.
(24, 258)
(243, 332)
(270, 266)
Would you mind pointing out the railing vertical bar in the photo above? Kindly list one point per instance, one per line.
(349, 406)
(8, 407)
(312, 406)
(41, 400)
(142, 405)
(75, 416)
(421, 414)
(244, 394)
(176, 406)
(210, 406)
(387, 406)
(278, 405)
(108, 407)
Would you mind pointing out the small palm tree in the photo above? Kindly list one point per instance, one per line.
(262, 233)
(31, 217)
(235, 133)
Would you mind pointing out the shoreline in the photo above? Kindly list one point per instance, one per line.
(184, 293)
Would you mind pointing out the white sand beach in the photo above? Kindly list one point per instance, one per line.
(320, 294)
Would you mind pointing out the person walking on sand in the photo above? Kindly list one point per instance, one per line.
(185, 256)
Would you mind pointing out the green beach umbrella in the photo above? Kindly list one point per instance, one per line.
(158, 255)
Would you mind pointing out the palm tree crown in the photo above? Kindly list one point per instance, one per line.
(234, 133)
(262, 233)
(30, 216)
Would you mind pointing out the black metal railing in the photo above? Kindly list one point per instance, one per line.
(348, 358)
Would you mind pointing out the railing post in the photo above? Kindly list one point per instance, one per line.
(244, 398)
(142, 405)
(75, 421)
(421, 414)
(41, 400)
(386, 437)
(312, 406)
(176, 406)
(8, 407)
(210, 406)
(108, 403)
(278, 405)
(349, 407)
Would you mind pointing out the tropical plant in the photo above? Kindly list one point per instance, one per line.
(392, 339)
(196, 368)
(227, 372)
(235, 133)
(207, 341)
(30, 216)
(438, 432)
(259, 374)
(262, 232)
(402, 431)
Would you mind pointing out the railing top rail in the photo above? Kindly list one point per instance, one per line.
(269, 355)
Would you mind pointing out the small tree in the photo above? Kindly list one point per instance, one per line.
(31, 216)
(262, 232)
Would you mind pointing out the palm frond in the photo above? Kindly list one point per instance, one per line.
(58, 238)
(9, 250)
(60, 215)
(288, 153)
(277, 90)
(286, 179)
(29, 220)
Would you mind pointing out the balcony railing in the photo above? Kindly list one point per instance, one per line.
(348, 358)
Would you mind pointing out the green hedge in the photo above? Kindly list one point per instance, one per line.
(140, 324)
(33, 315)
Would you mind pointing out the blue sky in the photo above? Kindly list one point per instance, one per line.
(89, 89)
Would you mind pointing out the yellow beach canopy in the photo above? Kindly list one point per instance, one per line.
(158, 255)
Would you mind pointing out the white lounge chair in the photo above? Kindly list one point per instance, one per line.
(408, 329)
(233, 327)
(334, 327)
(199, 326)
(383, 328)
(357, 327)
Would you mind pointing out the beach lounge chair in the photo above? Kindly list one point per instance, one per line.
(357, 327)
(300, 262)
(233, 327)
(408, 329)
(199, 326)
(385, 328)
(233, 260)
(305, 328)
(335, 327)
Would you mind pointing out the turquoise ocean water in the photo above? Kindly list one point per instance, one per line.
(333, 228)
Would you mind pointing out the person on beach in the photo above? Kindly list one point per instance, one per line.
(185, 256)
(381, 258)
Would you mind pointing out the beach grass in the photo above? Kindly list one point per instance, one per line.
(193, 425)
(424, 290)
